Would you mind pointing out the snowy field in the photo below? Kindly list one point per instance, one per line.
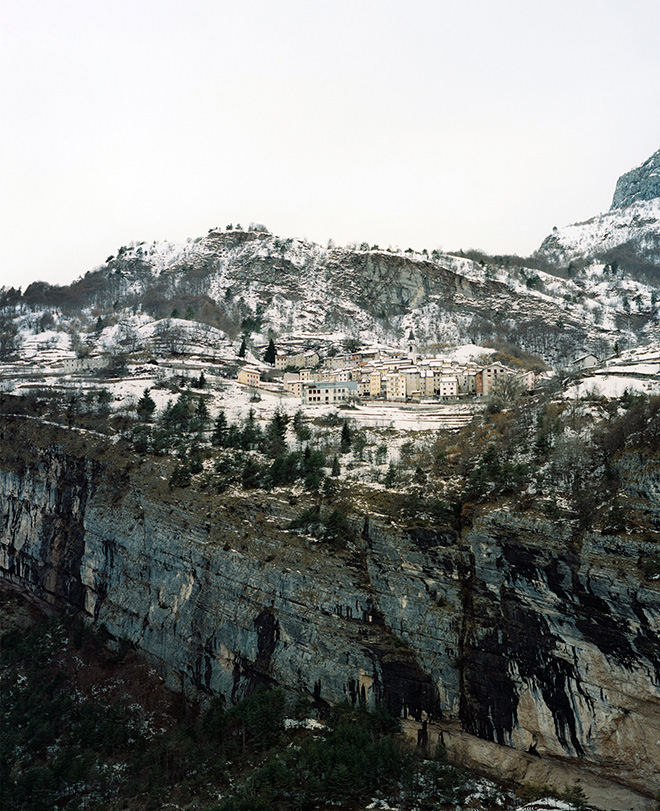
(636, 370)
(609, 385)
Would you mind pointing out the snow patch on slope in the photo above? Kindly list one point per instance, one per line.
(639, 221)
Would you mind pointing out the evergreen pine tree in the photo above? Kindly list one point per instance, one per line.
(269, 354)
(336, 468)
(181, 412)
(251, 435)
(359, 443)
(313, 479)
(575, 796)
(202, 411)
(243, 348)
(250, 474)
(146, 406)
(300, 427)
(330, 488)
(219, 430)
(346, 438)
(276, 434)
(298, 420)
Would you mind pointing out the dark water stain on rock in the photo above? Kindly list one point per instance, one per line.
(63, 532)
(268, 635)
(594, 619)
(404, 688)
(519, 647)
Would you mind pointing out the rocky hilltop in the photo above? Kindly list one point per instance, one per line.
(528, 651)
(232, 278)
(640, 183)
(251, 280)
(586, 285)
(627, 237)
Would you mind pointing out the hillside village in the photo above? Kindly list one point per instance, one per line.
(325, 369)
(378, 374)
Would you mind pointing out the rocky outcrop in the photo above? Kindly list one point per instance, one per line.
(573, 636)
(640, 183)
(527, 650)
(289, 285)
(626, 236)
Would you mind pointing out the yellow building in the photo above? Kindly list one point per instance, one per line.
(249, 376)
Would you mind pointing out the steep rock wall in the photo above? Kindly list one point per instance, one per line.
(640, 183)
(574, 639)
(519, 645)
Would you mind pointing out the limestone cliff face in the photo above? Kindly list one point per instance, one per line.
(386, 295)
(527, 650)
(573, 638)
(640, 183)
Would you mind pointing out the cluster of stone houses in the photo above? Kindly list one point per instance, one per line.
(299, 360)
(372, 375)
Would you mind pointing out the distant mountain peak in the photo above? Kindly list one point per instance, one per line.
(640, 183)
(627, 236)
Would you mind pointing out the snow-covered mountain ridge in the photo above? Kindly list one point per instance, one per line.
(590, 286)
(237, 280)
(636, 226)
(627, 236)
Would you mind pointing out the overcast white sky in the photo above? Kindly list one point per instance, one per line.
(421, 123)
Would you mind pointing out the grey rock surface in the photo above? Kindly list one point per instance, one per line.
(640, 183)
(626, 237)
(518, 644)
